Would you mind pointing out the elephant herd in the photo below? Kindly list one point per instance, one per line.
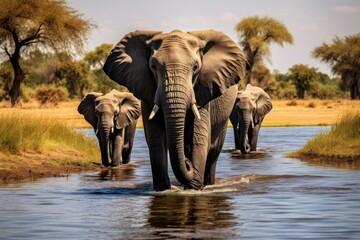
(185, 86)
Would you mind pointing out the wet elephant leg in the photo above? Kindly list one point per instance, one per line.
(220, 110)
(254, 136)
(200, 147)
(129, 136)
(155, 135)
(117, 147)
(213, 155)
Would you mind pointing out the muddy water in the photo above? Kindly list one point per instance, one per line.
(263, 196)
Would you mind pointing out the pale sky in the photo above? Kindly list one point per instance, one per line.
(311, 22)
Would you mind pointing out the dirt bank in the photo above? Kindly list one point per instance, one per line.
(27, 166)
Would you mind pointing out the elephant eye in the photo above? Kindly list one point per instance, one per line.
(196, 67)
(153, 64)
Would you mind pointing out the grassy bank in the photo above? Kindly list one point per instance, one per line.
(340, 146)
(37, 145)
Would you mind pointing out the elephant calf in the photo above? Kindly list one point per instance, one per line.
(113, 117)
(251, 106)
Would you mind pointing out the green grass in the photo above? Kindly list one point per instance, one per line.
(26, 132)
(342, 142)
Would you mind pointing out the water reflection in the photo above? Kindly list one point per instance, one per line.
(122, 173)
(185, 213)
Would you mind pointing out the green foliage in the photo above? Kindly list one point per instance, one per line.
(342, 141)
(255, 36)
(76, 77)
(343, 55)
(50, 95)
(26, 24)
(303, 78)
(96, 60)
(42, 23)
(25, 132)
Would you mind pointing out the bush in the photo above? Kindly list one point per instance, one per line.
(291, 103)
(50, 95)
(311, 105)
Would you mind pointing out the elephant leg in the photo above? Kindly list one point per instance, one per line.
(155, 135)
(117, 146)
(235, 123)
(254, 136)
(213, 156)
(128, 142)
(200, 146)
(219, 112)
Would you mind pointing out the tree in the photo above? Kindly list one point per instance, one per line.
(96, 60)
(303, 77)
(49, 24)
(76, 77)
(343, 55)
(255, 36)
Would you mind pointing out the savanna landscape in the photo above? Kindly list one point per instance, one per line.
(265, 98)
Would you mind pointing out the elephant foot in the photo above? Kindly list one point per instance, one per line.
(195, 185)
(162, 186)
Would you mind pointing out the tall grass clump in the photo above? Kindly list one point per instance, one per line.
(26, 132)
(342, 142)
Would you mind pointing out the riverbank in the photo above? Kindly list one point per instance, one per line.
(338, 147)
(33, 146)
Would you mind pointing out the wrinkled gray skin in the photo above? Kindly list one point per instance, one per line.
(113, 117)
(190, 78)
(249, 111)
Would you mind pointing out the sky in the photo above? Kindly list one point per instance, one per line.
(311, 22)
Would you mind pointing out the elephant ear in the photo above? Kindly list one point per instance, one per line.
(128, 65)
(223, 65)
(87, 108)
(263, 103)
(130, 109)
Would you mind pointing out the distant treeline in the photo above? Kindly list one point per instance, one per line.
(73, 78)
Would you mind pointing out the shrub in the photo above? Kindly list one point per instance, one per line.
(291, 103)
(311, 105)
(50, 95)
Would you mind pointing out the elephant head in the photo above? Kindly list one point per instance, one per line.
(251, 106)
(176, 72)
(109, 114)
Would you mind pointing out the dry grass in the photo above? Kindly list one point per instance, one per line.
(36, 145)
(323, 112)
(308, 112)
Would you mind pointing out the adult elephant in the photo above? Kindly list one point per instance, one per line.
(113, 117)
(249, 111)
(176, 72)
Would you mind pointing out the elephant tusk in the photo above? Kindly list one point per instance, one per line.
(112, 130)
(96, 132)
(195, 111)
(153, 112)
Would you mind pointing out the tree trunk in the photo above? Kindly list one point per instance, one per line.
(18, 79)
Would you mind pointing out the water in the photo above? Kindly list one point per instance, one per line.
(265, 196)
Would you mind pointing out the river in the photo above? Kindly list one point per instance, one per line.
(264, 196)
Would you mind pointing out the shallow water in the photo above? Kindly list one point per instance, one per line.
(264, 196)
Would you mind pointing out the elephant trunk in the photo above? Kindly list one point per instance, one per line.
(245, 122)
(176, 101)
(105, 145)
